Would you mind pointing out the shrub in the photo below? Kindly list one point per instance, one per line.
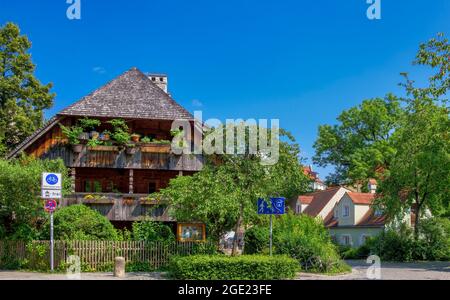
(245, 267)
(256, 240)
(79, 222)
(398, 244)
(152, 231)
(308, 241)
(21, 211)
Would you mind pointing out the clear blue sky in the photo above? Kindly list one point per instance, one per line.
(300, 61)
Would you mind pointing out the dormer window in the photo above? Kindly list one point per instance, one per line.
(346, 211)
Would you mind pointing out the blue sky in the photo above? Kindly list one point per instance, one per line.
(302, 62)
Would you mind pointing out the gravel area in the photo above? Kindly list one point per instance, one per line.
(390, 271)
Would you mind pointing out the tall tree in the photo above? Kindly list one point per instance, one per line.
(359, 144)
(418, 179)
(224, 194)
(419, 176)
(22, 97)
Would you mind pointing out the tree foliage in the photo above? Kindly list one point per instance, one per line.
(21, 208)
(224, 193)
(360, 143)
(403, 141)
(22, 96)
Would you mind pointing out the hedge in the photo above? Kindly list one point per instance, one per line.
(244, 267)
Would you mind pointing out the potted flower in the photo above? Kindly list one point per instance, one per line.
(146, 140)
(135, 137)
(90, 124)
(106, 135)
(73, 133)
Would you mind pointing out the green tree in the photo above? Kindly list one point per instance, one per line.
(22, 97)
(359, 145)
(21, 208)
(419, 177)
(224, 193)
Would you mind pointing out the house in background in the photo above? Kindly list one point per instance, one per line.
(348, 215)
(353, 219)
(316, 183)
(117, 179)
(319, 203)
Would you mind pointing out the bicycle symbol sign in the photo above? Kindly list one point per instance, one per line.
(51, 179)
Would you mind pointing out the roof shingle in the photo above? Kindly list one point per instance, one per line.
(130, 95)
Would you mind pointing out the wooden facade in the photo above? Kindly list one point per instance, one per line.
(110, 178)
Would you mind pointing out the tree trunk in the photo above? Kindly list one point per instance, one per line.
(238, 224)
(416, 221)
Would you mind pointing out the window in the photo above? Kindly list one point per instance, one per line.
(298, 208)
(378, 212)
(346, 212)
(346, 240)
(151, 187)
(364, 238)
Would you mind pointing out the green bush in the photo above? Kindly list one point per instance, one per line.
(347, 252)
(245, 267)
(79, 222)
(21, 208)
(398, 244)
(152, 231)
(308, 241)
(256, 240)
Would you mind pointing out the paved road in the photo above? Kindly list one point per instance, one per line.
(391, 271)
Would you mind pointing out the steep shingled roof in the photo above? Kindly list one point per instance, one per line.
(130, 95)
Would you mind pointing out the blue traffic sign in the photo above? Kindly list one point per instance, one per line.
(274, 207)
(51, 179)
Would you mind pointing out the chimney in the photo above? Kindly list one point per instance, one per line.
(372, 186)
(159, 79)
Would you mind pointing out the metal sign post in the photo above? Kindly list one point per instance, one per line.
(270, 236)
(276, 208)
(51, 242)
(51, 185)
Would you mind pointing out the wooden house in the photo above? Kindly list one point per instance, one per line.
(117, 179)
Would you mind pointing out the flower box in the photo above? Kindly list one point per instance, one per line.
(104, 148)
(155, 148)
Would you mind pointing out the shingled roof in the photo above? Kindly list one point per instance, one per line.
(131, 95)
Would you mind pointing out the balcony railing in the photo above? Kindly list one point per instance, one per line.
(122, 206)
(157, 157)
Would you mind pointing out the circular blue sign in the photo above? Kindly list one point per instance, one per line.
(51, 179)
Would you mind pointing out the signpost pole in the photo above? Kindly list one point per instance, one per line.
(51, 241)
(270, 236)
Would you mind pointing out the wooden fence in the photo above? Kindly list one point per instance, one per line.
(95, 255)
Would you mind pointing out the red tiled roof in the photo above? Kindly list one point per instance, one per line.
(319, 200)
(361, 198)
(330, 220)
(372, 181)
(369, 219)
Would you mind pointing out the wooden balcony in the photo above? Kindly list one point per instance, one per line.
(141, 158)
(121, 207)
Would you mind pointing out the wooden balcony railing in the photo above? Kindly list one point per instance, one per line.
(122, 206)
